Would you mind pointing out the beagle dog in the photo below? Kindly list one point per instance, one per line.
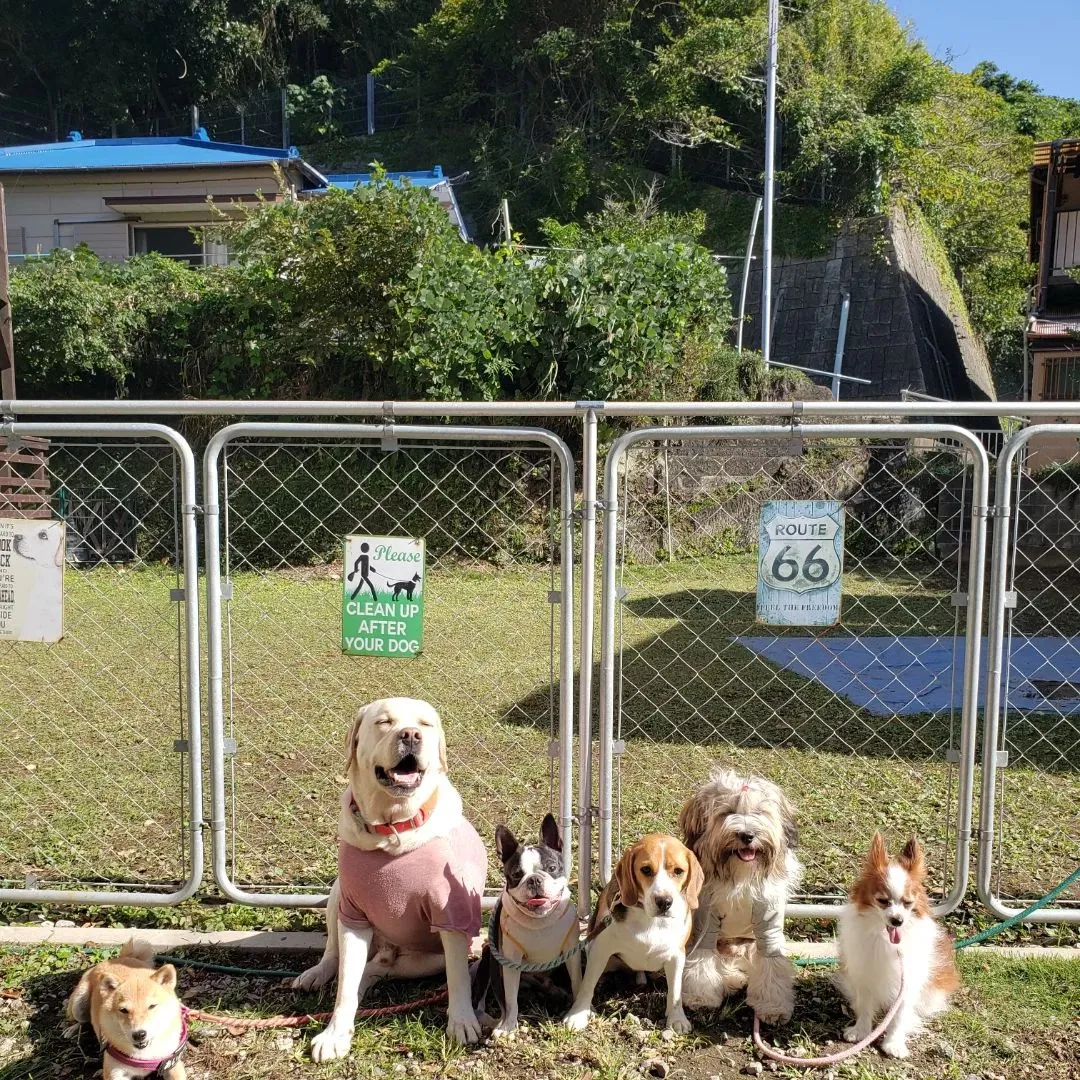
(644, 917)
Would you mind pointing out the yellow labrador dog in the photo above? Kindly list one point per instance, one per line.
(411, 872)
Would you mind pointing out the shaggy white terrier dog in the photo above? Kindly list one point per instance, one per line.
(743, 831)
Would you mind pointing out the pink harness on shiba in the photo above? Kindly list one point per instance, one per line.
(154, 1066)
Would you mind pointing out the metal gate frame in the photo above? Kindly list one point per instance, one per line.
(999, 580)
(416, 433)
(973, 632)
(189, 557)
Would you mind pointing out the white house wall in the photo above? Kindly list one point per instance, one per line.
(49, 210)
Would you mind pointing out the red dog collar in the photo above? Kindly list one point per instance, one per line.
(389, 828)
(154, 1066)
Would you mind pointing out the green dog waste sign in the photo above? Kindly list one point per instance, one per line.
(382, 604)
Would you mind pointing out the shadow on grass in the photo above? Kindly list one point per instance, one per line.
(693, 684)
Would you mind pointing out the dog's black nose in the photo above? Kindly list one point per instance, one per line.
(138, 1037)
(663, 904)
(747, 838)
(411, 737)
(895, 920)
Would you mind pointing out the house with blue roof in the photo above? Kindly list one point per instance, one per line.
(124, 197)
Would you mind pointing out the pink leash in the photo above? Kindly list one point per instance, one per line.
(842, 1055)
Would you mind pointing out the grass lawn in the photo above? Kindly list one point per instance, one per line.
(90, 782)
(1013, 1019)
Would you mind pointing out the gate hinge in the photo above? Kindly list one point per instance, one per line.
(795, 423)
(388, 440)
(988, 512)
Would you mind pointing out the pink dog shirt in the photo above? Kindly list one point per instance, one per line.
(409, 898)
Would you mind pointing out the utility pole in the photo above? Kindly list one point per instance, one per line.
(7, 345)
(770, 179)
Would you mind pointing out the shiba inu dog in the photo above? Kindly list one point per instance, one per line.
(135, 1013)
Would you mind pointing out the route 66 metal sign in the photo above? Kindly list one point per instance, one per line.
(800, 563)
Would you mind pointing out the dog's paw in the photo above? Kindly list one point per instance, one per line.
(464, 1029)
(678, 1023)
(578, 1021)
(854, 1033)
(314, 978)
(774, 1016)
(504, 1029)
(895, 1048)
(331, 1044)
(71, 1031)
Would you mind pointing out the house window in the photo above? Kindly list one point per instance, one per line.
(175, 242)
(1062, 378)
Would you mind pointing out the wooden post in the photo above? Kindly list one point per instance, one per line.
(7, 345)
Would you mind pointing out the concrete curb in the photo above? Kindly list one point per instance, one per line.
(267, 941)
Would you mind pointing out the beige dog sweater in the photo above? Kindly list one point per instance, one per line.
(409, 898)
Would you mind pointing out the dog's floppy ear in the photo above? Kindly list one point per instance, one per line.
(625, 880)
(549, 833)
(350, 742)
(911, 859)
(505, 843)
(696, 882)
(166, 975)
(443, 764)
(789, 825)
(692, 822)
(877, 858)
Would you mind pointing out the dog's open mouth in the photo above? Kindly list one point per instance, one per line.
(747, 854)
(404, 776)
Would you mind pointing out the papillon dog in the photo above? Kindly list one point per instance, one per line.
(887, 927)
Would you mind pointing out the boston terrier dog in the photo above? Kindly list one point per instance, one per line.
(534, 920)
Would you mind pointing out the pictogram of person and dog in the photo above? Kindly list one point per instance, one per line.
(363, 567)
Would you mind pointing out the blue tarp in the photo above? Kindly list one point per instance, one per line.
(902, 675)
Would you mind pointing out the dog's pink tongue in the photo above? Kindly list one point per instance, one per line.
(894, 934)
(538, 902)
(747, 854)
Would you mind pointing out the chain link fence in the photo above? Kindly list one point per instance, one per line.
(1031, 782)
(495, 516)
(866, 723)
(96, 783)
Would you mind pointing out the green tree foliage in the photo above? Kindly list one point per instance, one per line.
(561, 107)
(84, 326)
(373, 294)
(1033, 113)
